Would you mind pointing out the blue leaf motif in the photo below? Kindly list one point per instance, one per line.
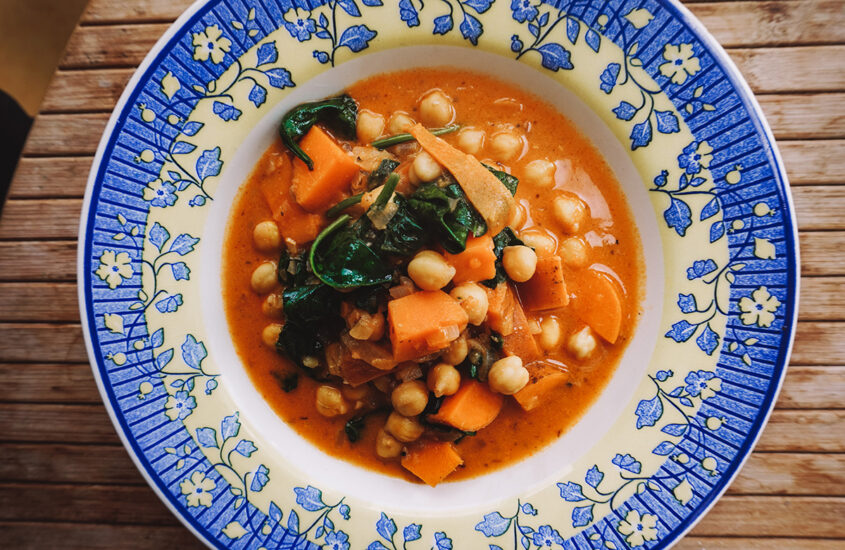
(372, 3)
(526, 544)
(681, 331)
(267, 53)
(663, 375)
(527, 508)
(328, 523)
(554, 57)
(324, 21)
(279, 78)
(700, 268)
(173, 174)
(641, 135)
(594, 477)
(628, 463)
(386, 527)
(649, 412)
(258, 95)
(225, 111)
(708, 340)
(158, 235)
(533, 29)
(625, 111)
(191, 128)
(408, 13)
(183, 148)
(349, 7)
(494, 525)
(293, 522)
(667, 122)
(356, 38)
(376, 545)
(324, 35)
(480, 6)
(685, 401)
(441, 541)
(608, 77)
(471, 28)
(198, 200)
(260, 478)
(180, 271)
(676, 430)
(571, 492)
(344, 511)
(495, 547)
(678, 216)
(677, 391)
(593, 40)
(696, 181)
(572, 29)
(207, 437)
(582, 515)
(442, 24)
(169, 304)
(245, 447)
(210, 385)
(275, 512)
(663, 449)
(183, 244)
(310, 498)
(686, 302)
(543, 19)
(163, 358)
(209, 164)
(717, 230)
(710, 209)
(230, 426)
(157, 338)
(193, 352)
(411, 532)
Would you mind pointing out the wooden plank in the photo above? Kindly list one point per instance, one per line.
(61, 463)
(774, 517)
(821, 253)
(819, 343)
(101, 536)
(110, 46)
(822, 299)
(38, 261)
(40, 219)
(692, 542)
(813, 162)
(764, 68)
(813, 388)
(57, 135)
(804, 431)
(72, 91)
(83, 503)
(805, 116)
(111, 11)
(819, 206)
(791, 474)
(48, 383)
(51, 177)
(56, 302)
(60, 343)
(31, 422)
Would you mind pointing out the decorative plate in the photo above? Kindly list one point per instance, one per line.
(685, 138)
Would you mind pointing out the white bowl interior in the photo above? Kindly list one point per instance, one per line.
(530, 474)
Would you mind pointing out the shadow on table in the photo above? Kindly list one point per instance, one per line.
(15, 124)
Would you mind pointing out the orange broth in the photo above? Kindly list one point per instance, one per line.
(489, 104)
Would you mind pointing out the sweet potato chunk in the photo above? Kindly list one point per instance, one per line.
(544, 380)
(294, 222)
(473, 407)
(500, 308)
(546, 289)
(521, 342)
(476, 263)
(598, 303)
(424, 322)
(315, 190)
(432, 461)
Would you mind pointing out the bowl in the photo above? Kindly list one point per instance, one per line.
(684, 137)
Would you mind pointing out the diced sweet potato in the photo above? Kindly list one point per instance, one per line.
(521, 342)
(599, 304)
(432, 461)
(424, 322)
(500, 308)
(473, 407)
(546, 289)
(316, 190)
(476, 263)
(294, 222)
(544, 380)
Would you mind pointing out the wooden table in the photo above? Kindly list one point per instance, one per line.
(87, 493)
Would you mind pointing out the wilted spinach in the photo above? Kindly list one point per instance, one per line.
(292, 270)
(312, 320)
(377, 176)
(447, 215)
(509, 181)
(403, 236)
(339, 112)
(505, 238)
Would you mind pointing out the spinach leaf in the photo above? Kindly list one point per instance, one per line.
(505, 238)
(377, 176)
(309, 304)
(403, 236)
(287, 381)
(312, 320)
(340, 112)
(341, 258)
(447, 214)
(511, 182)
(355, 425)
(292, 270)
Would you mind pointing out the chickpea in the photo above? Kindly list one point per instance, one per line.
(424, 168)
(456, 352)
(551, 334)
(399, 122)
(436, 109)
(540, 241)
(266, 236)
(582, 344)
(410, 398)
(474, 301)
(471, 140)
(519, 262)
(386, 445)
(273, 305)
(370, 126)
(507, 376)
(403, 428)
(368, 327)
(570, 212)
(429, 270)
(575, 252)
(264, 278)
(443, 379)
(519, 217)
(330, 401)
(270, 335)
(505, 145)
(539, 172)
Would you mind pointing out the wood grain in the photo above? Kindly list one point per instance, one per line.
(53, 177)
(101, 536)
(791, 474)
(38, 260)
(38, 301)
(808, 116)
(56, 423)
(819, 343)
(48, 383)
(71, 134)
(819, 207)
(813, 162)
(821, 253)
(68, 463)
(40, 219)
(813, 388)
(693, 542)
(774, 517)
(804, 431)
(75, 91)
